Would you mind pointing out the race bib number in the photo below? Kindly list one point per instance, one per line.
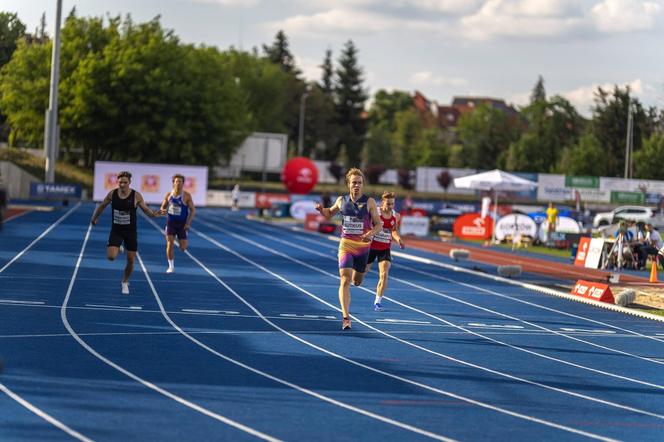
(121, 217)
(384, 236)
(174, 209)
(353, 225)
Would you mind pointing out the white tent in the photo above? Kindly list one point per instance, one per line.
(495, 180)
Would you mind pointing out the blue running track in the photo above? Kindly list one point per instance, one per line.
(243, 342)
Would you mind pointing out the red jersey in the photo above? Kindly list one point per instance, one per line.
(383, 239)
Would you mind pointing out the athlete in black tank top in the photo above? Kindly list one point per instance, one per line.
(123, 201)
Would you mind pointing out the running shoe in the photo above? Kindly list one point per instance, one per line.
(121, 248)
(345, 324)
(125, 288)
(378, 307)
(170, 270)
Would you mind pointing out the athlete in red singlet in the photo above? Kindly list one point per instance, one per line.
(380, 246)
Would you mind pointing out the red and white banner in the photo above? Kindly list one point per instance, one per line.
(473, 226)
(313, 220)
(593, 290)
(582, 252)
(265, 200)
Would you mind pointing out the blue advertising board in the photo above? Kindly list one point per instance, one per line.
(51, 191)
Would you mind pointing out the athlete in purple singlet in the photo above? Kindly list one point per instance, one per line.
(180, 210)
(360, 222)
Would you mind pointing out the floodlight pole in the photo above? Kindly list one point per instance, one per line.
(629, 141)
(300, 137)
(51, 119)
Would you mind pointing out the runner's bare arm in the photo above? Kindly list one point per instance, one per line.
(329, 212)
(192, 209)
(100, 208)
(375, 218)
(140, 202)
(395, 231)
(164, 203)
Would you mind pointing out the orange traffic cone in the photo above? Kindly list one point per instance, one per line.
(653, 270)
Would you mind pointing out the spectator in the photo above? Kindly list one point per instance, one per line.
(652, 244)
(552, 219)
(235, 197)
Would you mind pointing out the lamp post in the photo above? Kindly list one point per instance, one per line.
(51, 118)
(300, 138)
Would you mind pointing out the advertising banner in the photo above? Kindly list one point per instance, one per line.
(513, 224)
(473, 226)
(54, 191)
(266, 200)
(593, 290)
(222, 198)
(590, 182)
(300, 209)
(153, 181)
(622, 197)
(582, 252)
(414, 225)
(594, 253)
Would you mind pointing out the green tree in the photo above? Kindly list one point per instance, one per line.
(320, 124)
(539, 93)
(609, 126)
(485, 134)
(11, 30)
(350, 100)
(646, 160)
(551, 126)
(327, 79)
(279, 53)
(587, 158)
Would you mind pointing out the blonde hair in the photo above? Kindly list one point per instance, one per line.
(387, 195)
(353, 171)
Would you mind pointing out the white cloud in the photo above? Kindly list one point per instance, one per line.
(583, 97)
(428, 78)
(232, 3)
(310, 68)
(444, 6)
(523, 18)
(625, 15)
(335, 21)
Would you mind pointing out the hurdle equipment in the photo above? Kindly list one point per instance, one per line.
(459, 254)
(625, 297)
(509, 270)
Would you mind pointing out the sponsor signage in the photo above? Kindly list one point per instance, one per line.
(54, 190)
(223, 198)
(266, 200)
(300, 209)
(593, 290)
(594, 253)
(152, 180)
(589, 182)
(313, 220)
(620, 197)
(473, 226)
(414, 225)
(564, 224)
(582, 252)
(513, 224)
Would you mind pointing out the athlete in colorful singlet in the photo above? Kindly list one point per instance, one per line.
(179, 206)
(380, 246)
(123, 201)
(360, 222)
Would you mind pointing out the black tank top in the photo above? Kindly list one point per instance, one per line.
(123, 211)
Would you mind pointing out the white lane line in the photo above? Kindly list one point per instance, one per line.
(150, 385)
(42, 414)
(406, 380)
(267, 375)
(455, 299)
(295, 315)
(402, 321)
(195, 310)
(306, 236)
(115, 307)
(581, 330)
(479, 324)
(549, 387)
(43, 234)
(13, 301)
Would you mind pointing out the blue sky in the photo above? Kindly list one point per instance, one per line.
(443, 48)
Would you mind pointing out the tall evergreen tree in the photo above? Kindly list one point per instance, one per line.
(279, 53)
(538, 94)
(327, 81)
(350, 100)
